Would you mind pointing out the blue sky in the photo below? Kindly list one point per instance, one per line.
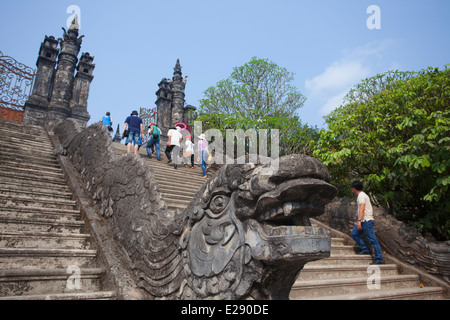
(326, 43)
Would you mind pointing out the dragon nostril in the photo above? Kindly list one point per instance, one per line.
(260, 185)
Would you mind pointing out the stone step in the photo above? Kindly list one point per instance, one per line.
(47, 281)
(327, 272)
(29, 201)
(25, 139)
(415, 293)
(44, 240)
(337, 241)
(31, 177)
(343, 249)
(17, 224)
(102, 295)
(175, 206)
(31, 185)
(22, 212)
(168, 187)
(182, 192)
(178, 196)
(26, 258)
(163, 167)
(27, 134)
(180, 178)
(33, 172)
(20, 127)
(343, 259)
(29, 158)
(24, 150)
(38, 192)
(316, 288)
(38, 144)
(11, 164)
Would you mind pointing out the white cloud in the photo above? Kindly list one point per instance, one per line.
(341, 74)
(327, 90)
(333, 103)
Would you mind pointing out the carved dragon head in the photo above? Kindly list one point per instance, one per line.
(248, 235)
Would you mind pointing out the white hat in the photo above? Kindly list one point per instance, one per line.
(202, 137)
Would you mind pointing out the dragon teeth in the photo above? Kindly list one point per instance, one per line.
(287, 208)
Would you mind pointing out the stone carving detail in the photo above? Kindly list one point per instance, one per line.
(244, 235)
(248, 235)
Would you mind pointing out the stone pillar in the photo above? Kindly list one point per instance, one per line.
(188, 116)
(59, 109)
(80, 93)
(178, 86)
(164, 107)
(36, 106)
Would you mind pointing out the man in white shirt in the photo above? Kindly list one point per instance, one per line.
(365, 224)
(173, 144)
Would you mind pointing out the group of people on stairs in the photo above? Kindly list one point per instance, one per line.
(133, 131)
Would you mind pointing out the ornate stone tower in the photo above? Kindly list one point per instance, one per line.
(58, 94)
(170, 101)
(80, 93)
(59, 108)
(36, 106)
(178, 86)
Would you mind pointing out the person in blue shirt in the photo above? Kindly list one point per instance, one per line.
(107, 121)
(136, 131)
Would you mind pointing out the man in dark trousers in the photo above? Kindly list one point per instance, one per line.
(365, 224)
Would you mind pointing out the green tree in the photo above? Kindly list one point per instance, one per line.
(394, 137)
(259, 95)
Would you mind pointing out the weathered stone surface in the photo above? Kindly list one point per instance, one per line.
(244, 235)
(397, 238)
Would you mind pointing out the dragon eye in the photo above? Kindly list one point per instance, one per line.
(219, 203)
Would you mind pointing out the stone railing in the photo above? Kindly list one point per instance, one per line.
(127, 196)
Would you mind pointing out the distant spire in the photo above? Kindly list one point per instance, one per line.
(177, 72)
(118, 136)
(177, 68)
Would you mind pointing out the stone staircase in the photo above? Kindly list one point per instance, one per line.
(44, 252)
(41, 233)
(348, 276)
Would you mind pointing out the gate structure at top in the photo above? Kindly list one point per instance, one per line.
(16, 83)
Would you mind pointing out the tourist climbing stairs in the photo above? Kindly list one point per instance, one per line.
(178, 186)
(346, 275)
(45, 252)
